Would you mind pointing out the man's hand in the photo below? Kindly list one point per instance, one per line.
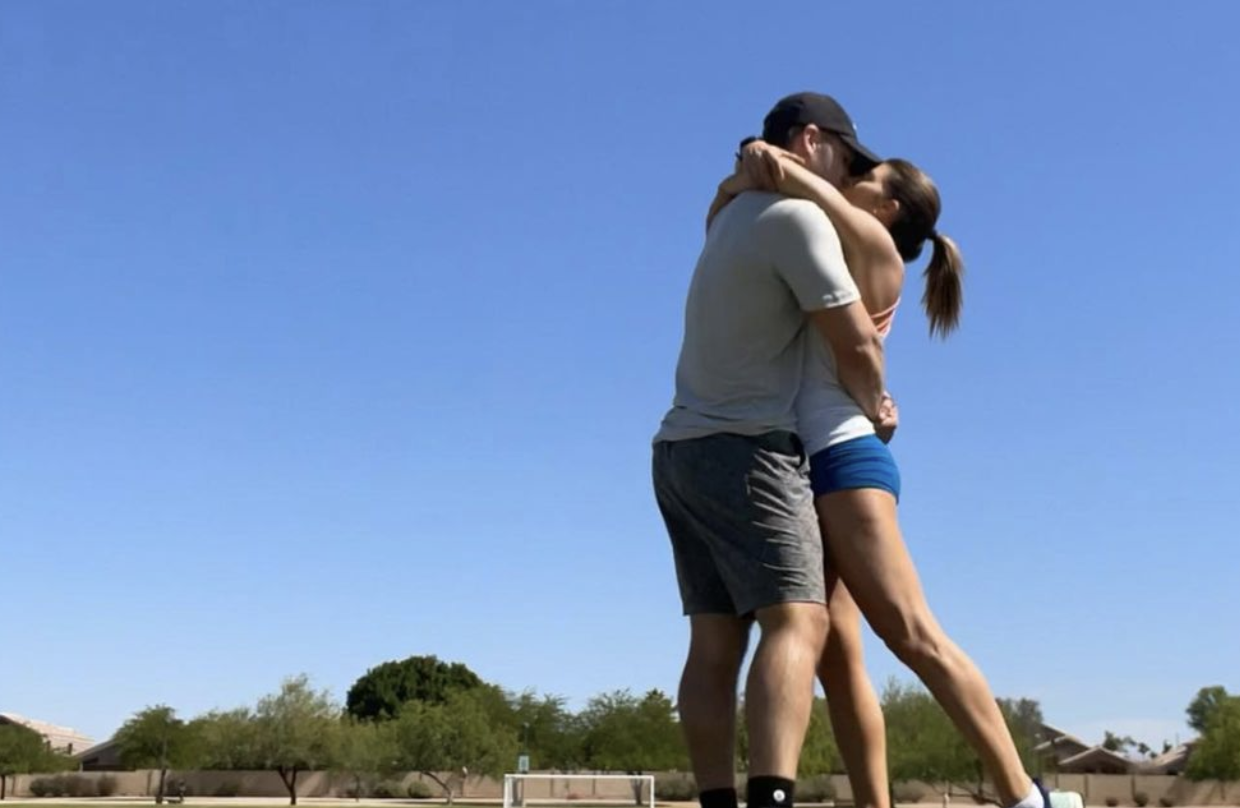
(888, 419)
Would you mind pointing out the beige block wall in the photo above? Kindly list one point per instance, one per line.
(131, 784)
(1095, 788)
(1207, 792)
(144, 783)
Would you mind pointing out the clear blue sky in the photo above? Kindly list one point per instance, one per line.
(332, 333)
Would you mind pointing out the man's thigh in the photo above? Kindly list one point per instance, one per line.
(740, 516)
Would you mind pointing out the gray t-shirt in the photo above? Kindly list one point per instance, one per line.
(767, 261)
(826, 414)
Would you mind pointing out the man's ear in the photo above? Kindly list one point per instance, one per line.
(806, 141)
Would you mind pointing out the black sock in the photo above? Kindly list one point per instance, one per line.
(769, 792)
(721, 798)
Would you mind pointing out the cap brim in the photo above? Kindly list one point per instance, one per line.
(865, 159)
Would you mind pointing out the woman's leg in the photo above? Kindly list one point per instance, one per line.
(856, 715)
(868, 552)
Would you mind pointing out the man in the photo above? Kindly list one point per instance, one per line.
(730, 475)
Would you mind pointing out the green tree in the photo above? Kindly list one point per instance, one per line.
(294, 731)
(227, 739)
(547, 730)
(457, 736)
(1119, 744)
(1203, 706)
(1217, 754)
(365, 751)
(22, 751)
(621, 732)
(382, 691)
(922, 743)
(155, 738)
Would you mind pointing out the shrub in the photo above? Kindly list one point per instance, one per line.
(65, 785)
(55, 785)
(1141, 799)
(387, 791)
(676, 789)
(1112, 802)
(909, 792)
(227, 790)
(816, 789)
(1166, 802)
(420, 791)
(106, 786)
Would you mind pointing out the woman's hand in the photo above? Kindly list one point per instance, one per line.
(764, 164)
(727, 191)
(760, 167)
(737, 184)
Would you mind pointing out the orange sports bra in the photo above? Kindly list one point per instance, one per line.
(883, 320)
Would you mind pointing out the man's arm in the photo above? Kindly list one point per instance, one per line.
(808, 255)
(858, 352)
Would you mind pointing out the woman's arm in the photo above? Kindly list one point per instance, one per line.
(722, 198)
(728, 190)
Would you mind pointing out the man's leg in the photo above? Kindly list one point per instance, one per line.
(779, 696)
(779, 579)
(745, 538)
(718, 637)
(707, 702)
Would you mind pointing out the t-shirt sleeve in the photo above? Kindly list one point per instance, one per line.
(806, 252)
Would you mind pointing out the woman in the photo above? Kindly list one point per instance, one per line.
(883, 220)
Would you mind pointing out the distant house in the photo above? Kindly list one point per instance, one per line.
(1096, 760)
(1067, 753)
(61, 739)
(1058, 746)
(1170, 762)
(104, 757)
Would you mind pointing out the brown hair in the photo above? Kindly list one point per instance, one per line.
(914, 225)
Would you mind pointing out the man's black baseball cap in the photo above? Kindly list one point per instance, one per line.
(802, 109)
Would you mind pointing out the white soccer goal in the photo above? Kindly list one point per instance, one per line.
(578, 789)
